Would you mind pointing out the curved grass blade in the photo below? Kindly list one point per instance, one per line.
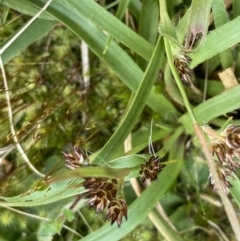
(123, 66)
(226, 36)
(136, 107)
(35, 31)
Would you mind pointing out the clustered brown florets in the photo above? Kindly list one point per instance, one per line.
(227, 151)
(151, 169)
(181, 63)
(101, 192)
(75, 159)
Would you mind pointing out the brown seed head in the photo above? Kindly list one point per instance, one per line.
(101, 191)
(98, 199)
(76, 158)
(226, 156)
(94, 182)
(233, 136)
(151, 169)
(117, 209)
(181, 63)
(224, 175)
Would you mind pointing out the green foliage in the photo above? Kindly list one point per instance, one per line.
(131, 92)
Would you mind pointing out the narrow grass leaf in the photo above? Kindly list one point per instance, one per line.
(25, 7)
(54, 192)
(136, 107)
(135, 7)
(236, 8)
(235, 190)
(149, 17)
(35, 31)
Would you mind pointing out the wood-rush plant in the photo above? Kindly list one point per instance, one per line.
(148, 61)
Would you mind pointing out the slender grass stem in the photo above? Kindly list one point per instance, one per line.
(12, 129)
(211, 163)
(199, 132)
(10, 115)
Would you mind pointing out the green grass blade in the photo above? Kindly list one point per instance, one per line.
(122, 7)
(135, 8)
(52, 193)
(99, 16)
(35, 31)
(148, 25)
(226, 35)
(235, 190)
(136, 107)
(220, 18)
(25, 7)
(236, 8)
(112, 26)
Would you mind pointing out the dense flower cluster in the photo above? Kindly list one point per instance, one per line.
(181, 63)
(151, 169)
(117, 209)
(227, 151)
(102, 192)
(76, 159)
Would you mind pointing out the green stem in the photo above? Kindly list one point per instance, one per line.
(199, 132)
(178, 81)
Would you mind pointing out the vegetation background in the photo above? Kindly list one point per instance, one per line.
(110, 101)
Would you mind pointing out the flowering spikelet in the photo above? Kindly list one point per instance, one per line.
(227, 150)
(181, 63)
(101, 191)
(151, 168)
(76, 159)
(224, 174)
(117, 209)
(225, 155)
(233, 136)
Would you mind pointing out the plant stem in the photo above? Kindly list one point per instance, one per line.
(12, 129)
(199, 132)
(211, 163)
